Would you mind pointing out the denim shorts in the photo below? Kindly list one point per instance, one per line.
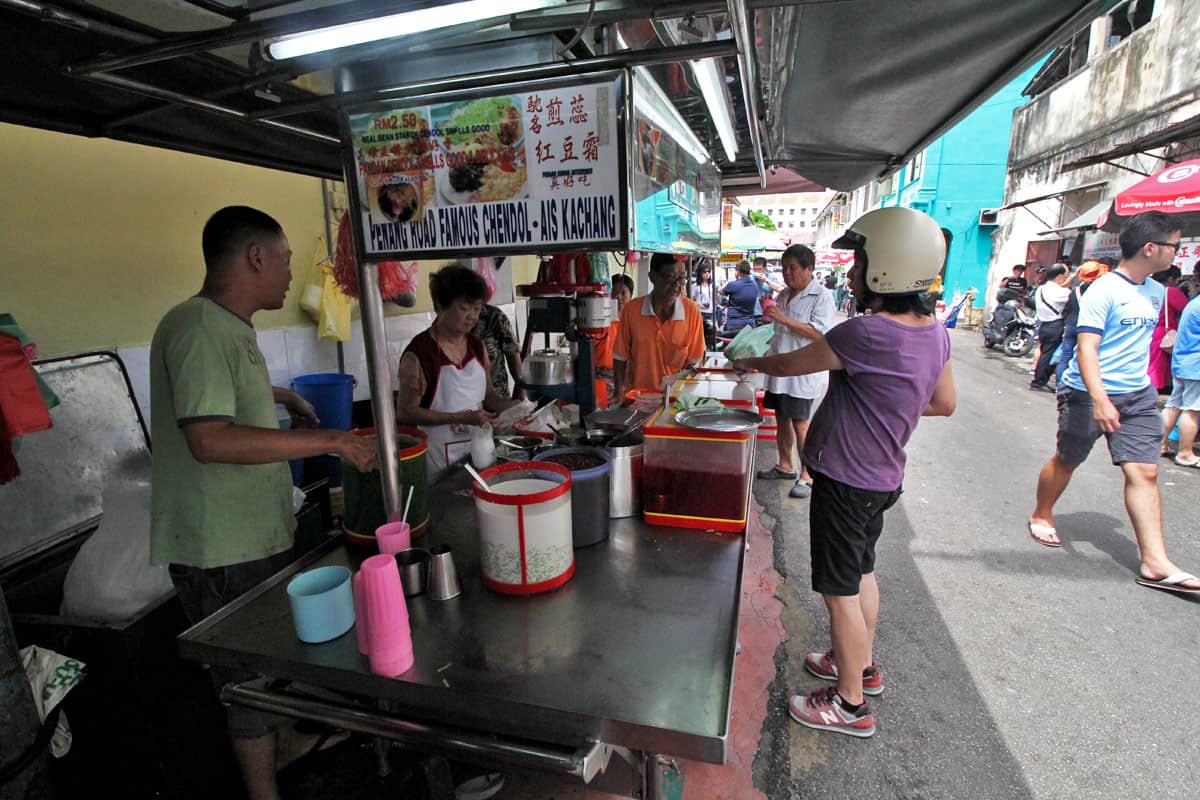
(205, 591)
(1185, 395)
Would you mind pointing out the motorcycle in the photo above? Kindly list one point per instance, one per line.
(1012, 324)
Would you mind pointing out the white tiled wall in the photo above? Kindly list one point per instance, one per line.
(298, 351)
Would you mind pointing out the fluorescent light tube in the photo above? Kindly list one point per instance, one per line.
(712, 88)
(664, 114)
(403, 24)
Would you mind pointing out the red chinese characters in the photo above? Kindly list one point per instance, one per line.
(569, 150)
(533, 104)
(578, 115)
(554, 113)
(591, 147)
(545, 152)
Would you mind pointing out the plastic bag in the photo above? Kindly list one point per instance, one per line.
(334, 321)
(111, 579)
(51, 675)
(750, 342)
(397, 281)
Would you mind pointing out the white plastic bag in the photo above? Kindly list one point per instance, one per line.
(111, 579)
(51, 675)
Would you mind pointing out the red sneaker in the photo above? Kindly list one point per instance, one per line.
(823, 666)
(823, 710)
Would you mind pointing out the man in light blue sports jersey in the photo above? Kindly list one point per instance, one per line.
(1106, 391)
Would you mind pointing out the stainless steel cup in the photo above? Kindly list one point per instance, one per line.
(443, 578)
(413, 564)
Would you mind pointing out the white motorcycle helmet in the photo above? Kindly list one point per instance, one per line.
(905, 249)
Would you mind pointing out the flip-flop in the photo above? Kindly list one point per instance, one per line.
(1036, 528)
(775, 474)
(1193, 464)
(1171, 583)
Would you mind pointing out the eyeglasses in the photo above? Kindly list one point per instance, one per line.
(672, 281)
(1174, 245)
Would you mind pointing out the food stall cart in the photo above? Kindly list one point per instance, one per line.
(216, 86)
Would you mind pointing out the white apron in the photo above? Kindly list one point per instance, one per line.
(457, 390)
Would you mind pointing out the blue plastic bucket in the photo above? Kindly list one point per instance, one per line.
(331, 394)
(332, 397)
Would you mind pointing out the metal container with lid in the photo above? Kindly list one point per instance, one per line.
(547, 368)
(591, 470)
(625, 480)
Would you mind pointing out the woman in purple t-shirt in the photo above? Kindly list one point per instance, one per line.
(886, 370)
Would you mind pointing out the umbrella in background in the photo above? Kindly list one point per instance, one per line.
(1174, 191)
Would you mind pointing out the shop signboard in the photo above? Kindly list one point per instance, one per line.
(529, 168)
(1100, 244)
(1187, 255)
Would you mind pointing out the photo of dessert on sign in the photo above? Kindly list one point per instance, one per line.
(484, 146)
(396, 153)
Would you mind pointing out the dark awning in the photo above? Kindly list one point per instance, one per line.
(845, 91)
(1086, 221)
(1177, 132)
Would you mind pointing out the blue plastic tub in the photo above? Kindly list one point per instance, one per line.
(332, 396)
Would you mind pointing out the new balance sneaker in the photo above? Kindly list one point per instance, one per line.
(823, 666)
(824, 711)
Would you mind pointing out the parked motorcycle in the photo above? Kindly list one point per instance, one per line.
(1012, 324)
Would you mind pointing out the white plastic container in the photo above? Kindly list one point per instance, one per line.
(525, 543)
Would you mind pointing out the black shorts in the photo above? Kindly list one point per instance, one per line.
(1137, 441)
(787, 407)
(844, 524)
(203, 592)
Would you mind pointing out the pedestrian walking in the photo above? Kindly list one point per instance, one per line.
(1159, 368)
(1183, 407)
(1087, 273)
(802, 314)
(886, 370)
(1106, 391)
(1051, 300)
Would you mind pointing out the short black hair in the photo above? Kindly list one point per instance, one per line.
(743, 267)
(231, 229)
(456, 282)
(1164, 275)
(760, 260)
(660, 260)
(1140, 230)
(802, 254)
(1055, 271)
(623, 280)
(1019, 266)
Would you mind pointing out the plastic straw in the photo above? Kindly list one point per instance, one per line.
(477, 477)
(407, 503)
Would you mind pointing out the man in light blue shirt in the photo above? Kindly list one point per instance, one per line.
(1106, 391)
(1184, 404)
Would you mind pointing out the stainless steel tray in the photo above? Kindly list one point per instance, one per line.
(714, 418)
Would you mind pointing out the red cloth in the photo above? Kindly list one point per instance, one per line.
(22, 409)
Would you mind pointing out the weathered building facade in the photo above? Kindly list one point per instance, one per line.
(1120, 101)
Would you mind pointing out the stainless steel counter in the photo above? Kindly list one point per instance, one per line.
(637, 650)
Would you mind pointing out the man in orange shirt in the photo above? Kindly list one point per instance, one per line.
(660, 333)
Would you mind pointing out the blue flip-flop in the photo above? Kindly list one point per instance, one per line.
(775, 474)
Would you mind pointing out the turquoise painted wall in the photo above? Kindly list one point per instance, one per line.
(964, 172)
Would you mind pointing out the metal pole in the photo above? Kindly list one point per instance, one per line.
(370, 304)
(619, 60)
(206, 105)
(19, 722)
(455, 743)
(739, 20)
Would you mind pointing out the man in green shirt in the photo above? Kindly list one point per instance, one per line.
(221, 507)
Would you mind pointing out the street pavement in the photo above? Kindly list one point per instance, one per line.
(1011, 670)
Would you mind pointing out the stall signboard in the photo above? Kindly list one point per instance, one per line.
(532, 169)
(1187, 255)
(1100, 244)
(675, 185)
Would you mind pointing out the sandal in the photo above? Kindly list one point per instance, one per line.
(1043, 534)
(1171, 583)
(775, 474)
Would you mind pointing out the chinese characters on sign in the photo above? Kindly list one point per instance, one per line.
(527, 170)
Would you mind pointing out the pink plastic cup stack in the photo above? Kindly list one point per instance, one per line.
(360, 613)
(389, 639)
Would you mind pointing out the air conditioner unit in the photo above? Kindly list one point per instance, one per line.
(989, 216)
